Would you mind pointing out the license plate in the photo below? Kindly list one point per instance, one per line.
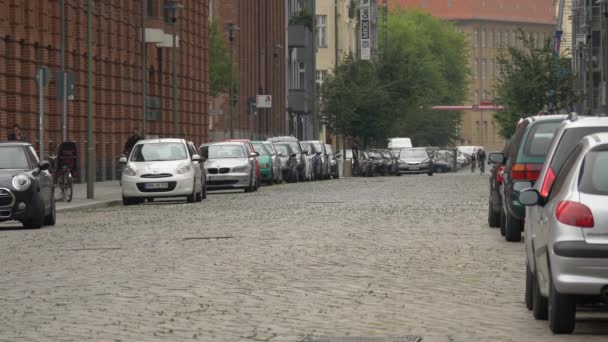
(152, 186)
(219, 178)
(414, 168)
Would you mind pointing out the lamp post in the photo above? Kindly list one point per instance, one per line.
(231, 28)
(64, 97)
(90, 161)
(174, 6)
(144, 67)
(276, 46)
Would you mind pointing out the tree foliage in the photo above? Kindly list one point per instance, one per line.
(525, 79)
(423, 64)
(219, 61)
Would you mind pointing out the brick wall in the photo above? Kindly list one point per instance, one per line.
(30, 36)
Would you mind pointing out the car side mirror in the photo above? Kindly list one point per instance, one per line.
(529, 197)
(122, 160)
(44, 165)
(253, 155)
(198, 158)
(496, 158)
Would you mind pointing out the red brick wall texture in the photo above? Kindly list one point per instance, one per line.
(522, 11)
(30, 36)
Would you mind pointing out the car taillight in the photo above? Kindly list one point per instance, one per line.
(528, 172)
(500, 174)
(547, 182)
(574, 214)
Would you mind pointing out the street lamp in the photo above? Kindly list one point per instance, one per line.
(275, 46)
(174, 7)
(231, 28)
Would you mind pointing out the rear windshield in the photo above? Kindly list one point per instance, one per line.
(261, 149)
(594, 175)
(539, 138)
(284, 149)
(568, 142)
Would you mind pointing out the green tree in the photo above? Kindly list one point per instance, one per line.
(526, 77)
(219, 61)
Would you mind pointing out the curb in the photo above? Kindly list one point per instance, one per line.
(90, 206)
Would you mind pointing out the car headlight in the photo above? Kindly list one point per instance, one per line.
(184, 168)
(240, 169)
(21, 182)
(130, 170)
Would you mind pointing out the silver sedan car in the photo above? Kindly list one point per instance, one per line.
(229, 166)
(568, 262)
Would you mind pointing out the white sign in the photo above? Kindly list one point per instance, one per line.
(216, 112)
(366, 42)
(264, 101)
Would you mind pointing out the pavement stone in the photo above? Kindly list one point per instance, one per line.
(409, 255)
(106, 194)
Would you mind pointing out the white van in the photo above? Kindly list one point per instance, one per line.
(399, 143)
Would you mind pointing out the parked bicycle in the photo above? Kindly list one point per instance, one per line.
(64, 165)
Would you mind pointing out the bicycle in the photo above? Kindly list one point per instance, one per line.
(65, 183)
(473, 166)
(64, 163)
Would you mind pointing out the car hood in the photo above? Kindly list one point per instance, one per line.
(228, 162)
(413, 160)
(158, 166)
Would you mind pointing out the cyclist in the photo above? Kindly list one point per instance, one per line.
(481, 158)
(473, 157)
(137, 136)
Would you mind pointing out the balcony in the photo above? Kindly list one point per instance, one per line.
(297, 101)
(299, 36)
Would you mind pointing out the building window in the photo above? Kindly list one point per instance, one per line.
(322, 31)
(498, 38)
(476, 97)
(475, 68)
(483, 38)
(475, 38)
(491, 39)
(536, 41)
(150, 7)
(513, 39)
(302, 76)
(491, 67)
(483, 69)
(321, 76)
(506, 40)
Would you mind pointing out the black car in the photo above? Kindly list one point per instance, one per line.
(26, 186)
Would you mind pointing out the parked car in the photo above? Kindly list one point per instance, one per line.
(380, 164)
(277, 165)
(523, 161)
(304, 167)
(289, 162)
(495, 197)
(229, 165)
(315, 155)
(365, 168)
(26, 186)
(415, 160)
(567, 241)
(265, 160)
(320, 149)
(161, 168)
(334, 169)
(250, 150)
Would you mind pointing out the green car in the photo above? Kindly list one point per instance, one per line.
(265, 162)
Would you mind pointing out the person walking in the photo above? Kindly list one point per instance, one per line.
(137, 136)
(473, 158)
(17, 134)
(481, 159)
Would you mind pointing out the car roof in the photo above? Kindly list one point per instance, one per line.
(14, 143)
(162, 140)
(282, 138)
(234, 143)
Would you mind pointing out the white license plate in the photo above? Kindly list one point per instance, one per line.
(152, 186)
(219, 178)
(414, 168)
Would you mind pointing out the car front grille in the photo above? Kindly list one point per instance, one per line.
(141, 187)
(6, 198)
(215, 171)
(157, 175)
(223, 182)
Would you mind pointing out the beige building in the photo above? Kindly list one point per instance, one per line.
(335, 38)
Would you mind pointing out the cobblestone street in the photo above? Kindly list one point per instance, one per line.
(409, 255)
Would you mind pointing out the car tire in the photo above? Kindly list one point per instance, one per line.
(51, 218)
(204, 193)
(127, 201)
(503, 222)
(430, 174)
(540, 304)
(251, 187)
(562, 311)
(513, 229)
(493, 217)
(529, 295)
(36, 220)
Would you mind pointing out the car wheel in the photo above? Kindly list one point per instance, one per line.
(493, 217)
(562, 311)
(204, 193)
(503, 222)
(513, 228)
(540, 304)
(36, 219)
(126, 201)
(430, 174)
(251, 187)
(51, 218)
(529, 288)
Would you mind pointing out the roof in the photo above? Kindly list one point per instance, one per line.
(236, 143)
(162, 140)
(15, 143)
(588, 121)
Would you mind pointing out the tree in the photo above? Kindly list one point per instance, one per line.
(526, 77)
(219, 61)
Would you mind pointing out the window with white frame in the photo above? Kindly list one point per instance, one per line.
(302, 75)
(483, 69)
(322, 31)
(498, 38)
(491, 39)
(491, 69)
(483, 38)
(475, 68)
(321, 76)
(475, 38)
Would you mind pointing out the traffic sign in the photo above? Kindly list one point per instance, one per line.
(45, 73)
(264, 101)
(475, 108)
(69, 86)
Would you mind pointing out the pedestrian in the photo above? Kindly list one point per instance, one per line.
(355, 158)
(481, 159)
(137, 136)
(17, 134)
(473, 158)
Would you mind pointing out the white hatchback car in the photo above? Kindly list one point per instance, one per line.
(162, 168)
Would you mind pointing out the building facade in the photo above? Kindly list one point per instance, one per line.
(30, 37)
(260, 62)
(491, 26)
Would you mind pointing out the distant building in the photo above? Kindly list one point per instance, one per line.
(490, 26)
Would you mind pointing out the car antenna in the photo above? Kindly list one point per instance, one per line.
(573, 116)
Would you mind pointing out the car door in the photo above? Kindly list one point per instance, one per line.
(198, 174)
(45, 178)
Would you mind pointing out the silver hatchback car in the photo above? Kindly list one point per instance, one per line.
(567, 244)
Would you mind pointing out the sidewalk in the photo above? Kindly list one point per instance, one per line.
(106, 194)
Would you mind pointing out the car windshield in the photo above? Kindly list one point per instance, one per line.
(223, 151)
(318, 147)
(13, 157)
(409, 153)
(269, 147)
(284, 149)
(309, 147)
(539, 139)
(159, 152)
(593, 179)
(568, 142)
(261, 149)
(375, 154)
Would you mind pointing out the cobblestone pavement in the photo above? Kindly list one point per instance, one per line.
(407, 255)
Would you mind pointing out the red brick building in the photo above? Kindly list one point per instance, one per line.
(30, 36)
(260, 61)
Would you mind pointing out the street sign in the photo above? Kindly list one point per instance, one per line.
(475, 108)
(264, 101)
(69, 86)
(45, 73)
(366, 42)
